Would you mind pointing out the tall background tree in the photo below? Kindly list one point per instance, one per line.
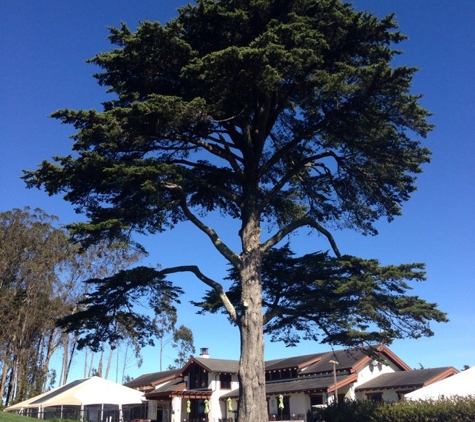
(41, 275)
(283, 115)
(100, 260)
(184, 345)
(31, 251)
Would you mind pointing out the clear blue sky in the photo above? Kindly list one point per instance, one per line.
(43, 47)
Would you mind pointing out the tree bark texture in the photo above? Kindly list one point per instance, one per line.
(252, 400)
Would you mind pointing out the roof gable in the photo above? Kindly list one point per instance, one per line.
(148, 381)
(407, 379)
(223, 366)
(295, 362)
(167, 390)
(352, 360)
(348, 360)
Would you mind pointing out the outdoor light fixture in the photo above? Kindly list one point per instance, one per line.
(334, 379)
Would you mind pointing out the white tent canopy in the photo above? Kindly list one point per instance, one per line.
(24, 404)
(461, 385)
(83, 392)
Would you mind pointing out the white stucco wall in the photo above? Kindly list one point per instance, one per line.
(299, 404)
(176, 409)
(369, 372)
(218, 408)
(152, 409)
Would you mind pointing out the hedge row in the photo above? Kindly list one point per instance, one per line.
(460, 409)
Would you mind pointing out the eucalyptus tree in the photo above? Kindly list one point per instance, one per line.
(99, 260)
(281, 114)
(41, 274)
(31, 250)
(184, 344)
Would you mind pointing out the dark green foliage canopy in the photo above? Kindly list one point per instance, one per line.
(280, 114)
(110, 313)
(290, 108)
(341, 301)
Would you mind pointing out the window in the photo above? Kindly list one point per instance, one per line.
(401, 394)
(281, 374)
(198, 377)
(316, 400)
(375, 396)
(225, 380)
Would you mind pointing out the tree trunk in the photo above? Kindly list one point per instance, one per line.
(124, 366)
(85, 362)
(52, 346)
(100, 364)
(89, 373)
(9, 386)
(109, 362)
(161, 352)
(252, 395)
(64, 365)
(71, 357)
(5, 369)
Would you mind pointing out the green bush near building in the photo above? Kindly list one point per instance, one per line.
(460, 409)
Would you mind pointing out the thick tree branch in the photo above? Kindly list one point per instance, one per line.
(272, 312)
(294, 225)
(232, 257)
(224, 153)
(292, 173)
(279, 311)
(217, 287)
(199, 181)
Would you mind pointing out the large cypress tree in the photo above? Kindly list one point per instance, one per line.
(282, 114)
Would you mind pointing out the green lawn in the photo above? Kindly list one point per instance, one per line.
(9, 417)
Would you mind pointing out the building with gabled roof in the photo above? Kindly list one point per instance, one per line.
(147, 382)
(393, 386)
(212, 365)
(208, 389)
(457, 386)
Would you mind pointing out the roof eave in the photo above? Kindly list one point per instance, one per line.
(343, 383)
(162, 380)
(447, 373)
(394, 358)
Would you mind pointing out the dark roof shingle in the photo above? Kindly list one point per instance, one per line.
(292, 362)
(147, 380)
(346, 359)
(319, 383)
(405, 379)
(219, 365)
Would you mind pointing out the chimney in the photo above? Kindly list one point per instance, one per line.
(204, 352)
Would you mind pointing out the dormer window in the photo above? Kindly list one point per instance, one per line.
(198, 377)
